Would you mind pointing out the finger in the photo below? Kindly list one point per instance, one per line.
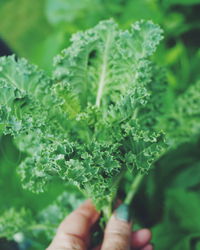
(80, 221)
(148, 247)
(118, 230)
(140, 238)
(73, 232)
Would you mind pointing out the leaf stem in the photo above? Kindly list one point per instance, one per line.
(102, 80)
(107, 212)
(133, 188)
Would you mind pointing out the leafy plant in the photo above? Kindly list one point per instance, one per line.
(181, 221)
(106, 112)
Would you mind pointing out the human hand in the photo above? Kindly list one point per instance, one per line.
(74, 231)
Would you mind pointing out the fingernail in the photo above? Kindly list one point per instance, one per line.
(123, 213)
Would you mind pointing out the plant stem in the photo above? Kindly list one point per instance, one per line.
(107, 212)
(102, 80)
(133, 188)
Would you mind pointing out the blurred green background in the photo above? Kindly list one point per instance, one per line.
(169, 199)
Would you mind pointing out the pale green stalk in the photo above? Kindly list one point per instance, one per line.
(133, 188)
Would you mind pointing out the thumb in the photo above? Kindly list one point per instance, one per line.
(118, 230)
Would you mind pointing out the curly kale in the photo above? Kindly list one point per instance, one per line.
(101, 113)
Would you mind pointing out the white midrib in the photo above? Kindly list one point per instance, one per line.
(102, 78)
(12, 81)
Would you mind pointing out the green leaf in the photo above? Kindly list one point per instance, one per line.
(23, 87)
(99, 60)
(187, 177)
(180, 2)
(185, 211)
(63, 11)
(29, 20)
(183, 123)
(96, 119)
(181, 225)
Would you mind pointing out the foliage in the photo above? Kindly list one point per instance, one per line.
(181, 222)
(31, 32)
(20, 225)
(165, 132)
(66, 114)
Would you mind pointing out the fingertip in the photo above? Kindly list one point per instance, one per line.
(87, 204)
(148, 247)
(74, 230)
(117, 234)
(88, 210)
(141, 238)
(80, 221)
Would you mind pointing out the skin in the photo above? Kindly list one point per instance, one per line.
(74, 232)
